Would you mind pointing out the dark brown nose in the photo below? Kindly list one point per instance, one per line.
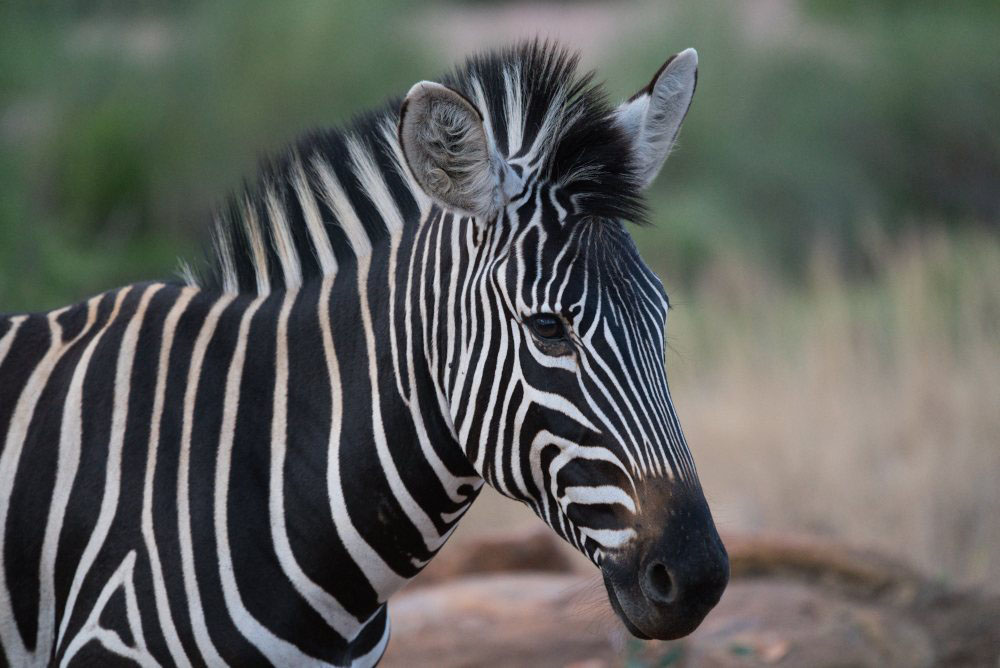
(686, 583)
(665, 585)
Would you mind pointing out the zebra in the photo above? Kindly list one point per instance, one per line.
(241, 467)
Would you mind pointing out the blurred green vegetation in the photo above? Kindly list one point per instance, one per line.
(121, 127)
(833, 123)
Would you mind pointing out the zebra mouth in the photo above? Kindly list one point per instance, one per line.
(619, 610)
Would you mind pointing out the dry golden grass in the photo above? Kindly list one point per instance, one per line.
(866, 409)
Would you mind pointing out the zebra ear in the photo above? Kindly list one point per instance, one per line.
(653, 116)
(450, 152)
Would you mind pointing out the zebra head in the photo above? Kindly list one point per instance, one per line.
(554, 372)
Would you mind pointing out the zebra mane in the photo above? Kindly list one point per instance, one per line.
(335, 193)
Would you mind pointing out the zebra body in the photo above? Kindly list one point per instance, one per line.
(243, 469)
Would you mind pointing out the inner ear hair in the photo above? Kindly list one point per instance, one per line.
(447, 149)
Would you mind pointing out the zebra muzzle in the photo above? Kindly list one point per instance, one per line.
(665, 584)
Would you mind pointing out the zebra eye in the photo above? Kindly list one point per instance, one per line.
(547, 326)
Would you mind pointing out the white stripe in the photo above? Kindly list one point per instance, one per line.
(592, 404)
(343, 210)
(278, 651)
(470, 357)
(468, 323)
(373, 185)
(284, 246)
(116, 441)
(609, 539)
(222, 240)
(633, 396)
(187, 274)
(8, 338)
(414, 512)
(388, 129)
(484, 110)
(380, 575)
(372, 657)
(393, 330)
(451, 517)
(449, 482)
(568, 450)
(328, 607)
(519, 416)
(314, 221)
(549, 131)
(258, 250)
(559, 403)
(564, 362)
(599, 494)
(122, 578)
(451, 334)
(177, 654)
(196, 611)
(514, 106)
(17, 432)
(585, 362)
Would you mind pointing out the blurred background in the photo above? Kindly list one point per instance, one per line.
(827, 226)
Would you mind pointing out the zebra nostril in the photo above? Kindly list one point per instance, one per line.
(659, 585)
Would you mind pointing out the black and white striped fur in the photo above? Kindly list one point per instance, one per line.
(244, 470)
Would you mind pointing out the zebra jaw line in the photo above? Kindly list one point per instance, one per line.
(243, 469)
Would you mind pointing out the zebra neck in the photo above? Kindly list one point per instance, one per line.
(381, 461)
(338, 442)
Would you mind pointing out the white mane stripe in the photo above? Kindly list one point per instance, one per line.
(257, 248)
(223, 243)
(343, 210)
(388, 129)
(370, 177)
(514, 106)
(284, 246)
(314, 221)
(484, 109)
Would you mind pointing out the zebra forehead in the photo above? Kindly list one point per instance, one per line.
(556, 122)
(596, 256)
